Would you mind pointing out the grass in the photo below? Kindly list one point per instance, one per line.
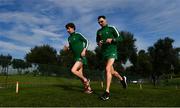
(56, 91)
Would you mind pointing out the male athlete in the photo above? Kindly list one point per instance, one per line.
(107, 37)
(78, 44)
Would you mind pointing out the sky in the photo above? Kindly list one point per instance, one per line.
(25, 24)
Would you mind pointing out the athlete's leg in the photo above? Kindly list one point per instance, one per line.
(116, 74)
(86, 82)
(109, 65)
(122, 79)
(77, 70)
(80, 71)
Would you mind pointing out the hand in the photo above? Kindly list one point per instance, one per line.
(109, 40)
(65, 48)
(100, 43)
(83, 53)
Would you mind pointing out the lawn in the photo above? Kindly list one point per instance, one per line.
(57, 91)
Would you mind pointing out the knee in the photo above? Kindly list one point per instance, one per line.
(108, 73)
(115, 73)
(73, 70)
(108, 69)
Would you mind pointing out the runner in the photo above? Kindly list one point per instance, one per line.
(78, 44)
(107, 37)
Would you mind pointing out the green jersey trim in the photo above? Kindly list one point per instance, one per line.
(87, 42)
(115, 30)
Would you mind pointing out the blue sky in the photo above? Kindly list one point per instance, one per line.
(27, 23)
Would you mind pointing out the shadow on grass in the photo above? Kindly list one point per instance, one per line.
(77, 89)
(70, 87)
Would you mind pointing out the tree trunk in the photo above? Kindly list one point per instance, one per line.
(154, 80)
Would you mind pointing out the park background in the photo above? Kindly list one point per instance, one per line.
(32, 36)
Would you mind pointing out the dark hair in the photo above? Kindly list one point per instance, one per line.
(102, 16)
(70, 25)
